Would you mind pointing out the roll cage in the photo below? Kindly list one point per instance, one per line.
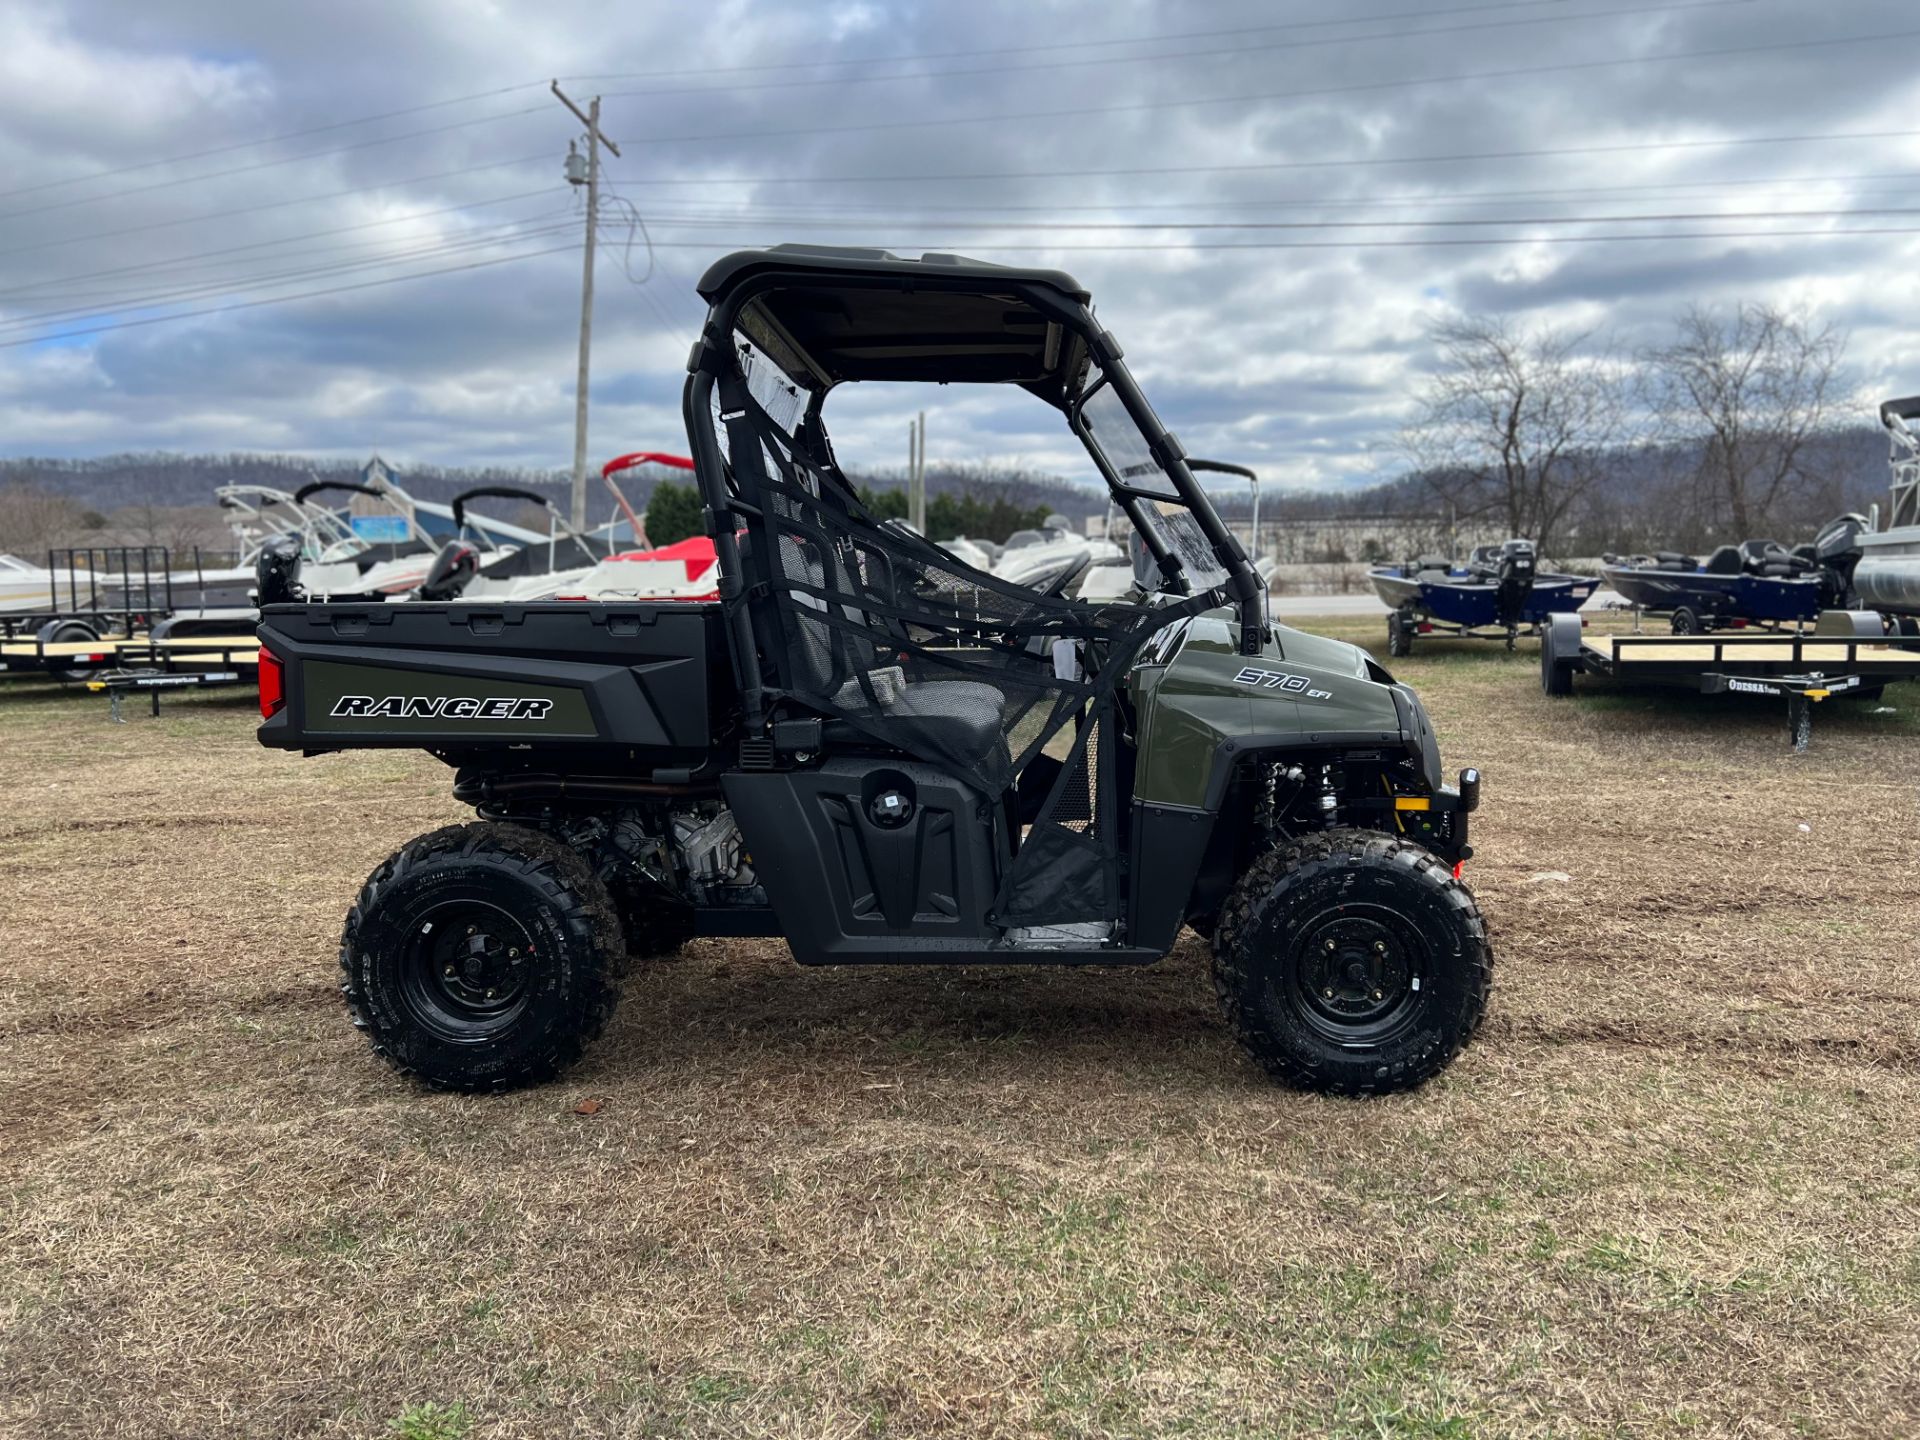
(825, 316)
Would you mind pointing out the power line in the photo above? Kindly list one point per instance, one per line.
(1419, 222)
(283, 299)
(780, 214)
(1290, 45)
(1269, 166)
(1552, 195)
(271, 164)
(331, 126)
(1422, 14)
(1078, 111)
(209, 289)
(270, 139)
(720, 247)
(710, 246)
(545, 155)
(201, 255)
(230, 285)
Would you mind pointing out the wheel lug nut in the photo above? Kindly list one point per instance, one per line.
(449, 969)
(1379, 947)
(1331, 945)
(1378, 995)
(1328, 994)
(489, 994)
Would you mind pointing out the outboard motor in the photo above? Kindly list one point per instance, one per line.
(276, 573)
(1836, 550)
(1513, 582)
(453, 570)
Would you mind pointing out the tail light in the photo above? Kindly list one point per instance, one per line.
(273, 691)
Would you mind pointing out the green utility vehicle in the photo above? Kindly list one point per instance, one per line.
(882, 755)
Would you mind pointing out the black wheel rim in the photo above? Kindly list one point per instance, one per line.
(1358, 974)
(466, 970)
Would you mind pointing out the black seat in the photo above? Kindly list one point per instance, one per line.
(1726, 560)
(964, 716)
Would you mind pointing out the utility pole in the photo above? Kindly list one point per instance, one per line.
(591, 179)
(917, 474)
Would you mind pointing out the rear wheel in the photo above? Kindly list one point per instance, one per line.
(482, 957)
(1352, 962)
(1399, 634)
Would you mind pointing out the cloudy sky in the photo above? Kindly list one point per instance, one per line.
(1268, 202)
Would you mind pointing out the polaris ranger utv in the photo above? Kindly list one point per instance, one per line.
(884, 756)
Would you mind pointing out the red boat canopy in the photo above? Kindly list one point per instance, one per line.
(644, 457)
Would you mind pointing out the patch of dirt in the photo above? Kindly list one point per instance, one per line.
(1671, 1188)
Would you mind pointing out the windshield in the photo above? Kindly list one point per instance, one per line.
(1116, 440)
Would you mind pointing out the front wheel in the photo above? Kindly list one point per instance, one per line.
(482, 957)
(1352, 962)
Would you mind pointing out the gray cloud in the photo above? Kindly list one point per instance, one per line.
(1297, 360)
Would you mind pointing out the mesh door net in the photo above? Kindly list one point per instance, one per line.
(867, 623)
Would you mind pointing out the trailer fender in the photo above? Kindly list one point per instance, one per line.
(1853, 624)
(1560, 646)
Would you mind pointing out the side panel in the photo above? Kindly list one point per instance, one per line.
(1203, 702)
(1175, 838)
(848, 881)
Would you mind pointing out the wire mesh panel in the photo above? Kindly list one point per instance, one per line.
(872, 625)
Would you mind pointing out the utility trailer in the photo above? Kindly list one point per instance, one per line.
(151, 664)
(1846, 653)
(94, 594)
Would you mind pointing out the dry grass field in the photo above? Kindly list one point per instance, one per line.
(1673, 1188)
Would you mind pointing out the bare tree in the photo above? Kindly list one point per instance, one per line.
(1750, 389)
(1515, 424)
(31, 520)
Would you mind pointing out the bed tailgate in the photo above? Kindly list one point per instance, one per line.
(642, 676)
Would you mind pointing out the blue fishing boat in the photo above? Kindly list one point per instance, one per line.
(1498, 594)
(1759, 582)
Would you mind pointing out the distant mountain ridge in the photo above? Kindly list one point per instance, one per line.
(1647, 496)
(167, 480)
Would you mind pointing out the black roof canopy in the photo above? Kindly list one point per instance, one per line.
(827, 315)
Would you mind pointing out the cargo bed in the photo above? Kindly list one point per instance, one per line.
(646, 679)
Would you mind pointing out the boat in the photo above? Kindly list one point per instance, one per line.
(1758, 582)
(686, 570)
(1052, 558)
(1886, 577)
(23, 586)
(1500, 593)
(541, 570)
